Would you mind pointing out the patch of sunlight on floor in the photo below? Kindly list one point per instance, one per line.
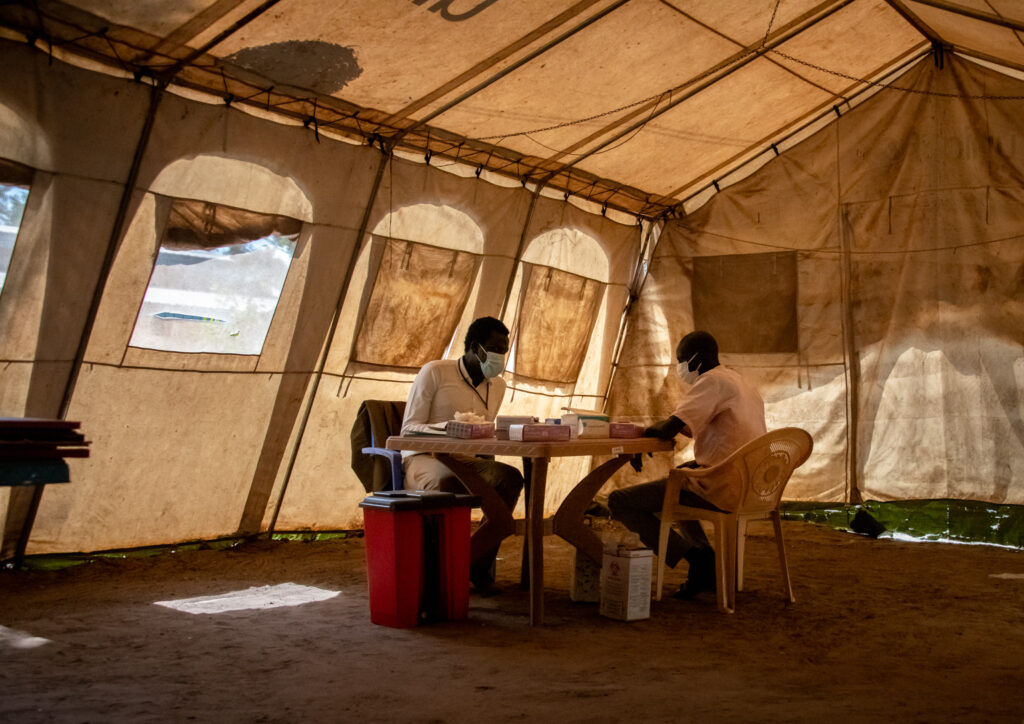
(284, 594)
(11, 638)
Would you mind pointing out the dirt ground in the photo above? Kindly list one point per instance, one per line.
(881, 631)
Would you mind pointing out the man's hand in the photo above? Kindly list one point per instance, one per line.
(666, 429)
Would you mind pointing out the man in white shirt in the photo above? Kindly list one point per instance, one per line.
(721, 412)
(471, 383)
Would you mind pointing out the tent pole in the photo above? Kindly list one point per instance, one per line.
(635, 286)
(386, 158)
(156, 95)
(852, 365)
(23, 503)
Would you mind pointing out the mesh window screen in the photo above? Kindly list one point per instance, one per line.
(417, 299)
(747, 301)
(556, 316)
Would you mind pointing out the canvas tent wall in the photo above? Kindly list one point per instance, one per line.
(871, 280)
(392, 256)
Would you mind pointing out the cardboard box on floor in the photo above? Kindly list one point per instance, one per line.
(626, 583)
(584, 579)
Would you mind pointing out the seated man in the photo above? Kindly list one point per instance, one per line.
(472, 383)
(721, 412)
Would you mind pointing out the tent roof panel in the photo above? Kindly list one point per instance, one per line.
(455, 78)
(970, 33)
(730, 117)
(630, 55)
(157, 17)
(850, 44)
(747, 22)
(399, 51)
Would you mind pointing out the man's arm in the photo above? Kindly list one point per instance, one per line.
(667, 429)
(417, 407)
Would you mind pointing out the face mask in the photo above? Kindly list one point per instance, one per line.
(687, 375)
(494, 365)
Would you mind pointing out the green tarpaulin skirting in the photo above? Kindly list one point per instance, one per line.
(960, 521)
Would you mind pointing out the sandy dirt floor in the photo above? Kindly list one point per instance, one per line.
(881, 631)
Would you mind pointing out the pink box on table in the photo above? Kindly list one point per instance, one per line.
(538, 432)
(624, 429)
(503, 422)
(469, 430)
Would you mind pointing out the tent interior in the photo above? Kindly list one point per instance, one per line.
(224, 224)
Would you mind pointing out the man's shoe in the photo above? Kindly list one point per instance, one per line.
(694, 586)
(701, 576)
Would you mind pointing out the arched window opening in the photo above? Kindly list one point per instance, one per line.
(217, 280)
(15, 181)
(227, 232)
(560, 290)
(424, 262)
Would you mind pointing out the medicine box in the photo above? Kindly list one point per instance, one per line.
(624, 429)
(626, 584)
(538, 432)
(469, 430)
(503, 422)
(592, 427)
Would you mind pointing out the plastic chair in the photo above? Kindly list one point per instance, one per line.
(760, 470)
(375, 421)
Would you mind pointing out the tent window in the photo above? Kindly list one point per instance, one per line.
(557, 311)
(418, 297)
(217, 280)
(14, 186)
(747, 301)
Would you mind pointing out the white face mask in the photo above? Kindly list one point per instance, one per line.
(494, 365)
(687, 375)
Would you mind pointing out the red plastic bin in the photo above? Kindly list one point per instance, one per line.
(417, 556)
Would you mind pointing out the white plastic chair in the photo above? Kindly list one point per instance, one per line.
(760, 470)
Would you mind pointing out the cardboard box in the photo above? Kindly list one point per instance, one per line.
(469, 430)
(538, 432)
(592, 427)
(571, 420)
(626, 584)
(584, 579)
(503, 422)
(624, 429)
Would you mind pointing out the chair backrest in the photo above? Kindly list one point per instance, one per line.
(766, 464)
(375, 421)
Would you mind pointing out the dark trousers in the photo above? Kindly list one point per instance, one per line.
(638, 508)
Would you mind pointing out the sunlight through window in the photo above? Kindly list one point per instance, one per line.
(258, 597)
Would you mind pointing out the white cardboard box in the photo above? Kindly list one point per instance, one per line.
(585, 579)
(626, 584)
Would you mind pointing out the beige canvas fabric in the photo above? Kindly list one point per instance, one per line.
(880, 255)
(915, 256)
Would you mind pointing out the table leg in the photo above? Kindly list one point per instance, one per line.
(568, 521)
(535, 538)
(498, 523)
(524, 565)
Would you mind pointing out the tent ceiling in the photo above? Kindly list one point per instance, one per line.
(636, 104)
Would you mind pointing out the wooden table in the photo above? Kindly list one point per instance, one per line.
(32, 453)
(567, 521)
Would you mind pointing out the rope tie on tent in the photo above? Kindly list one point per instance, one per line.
(316, 124)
